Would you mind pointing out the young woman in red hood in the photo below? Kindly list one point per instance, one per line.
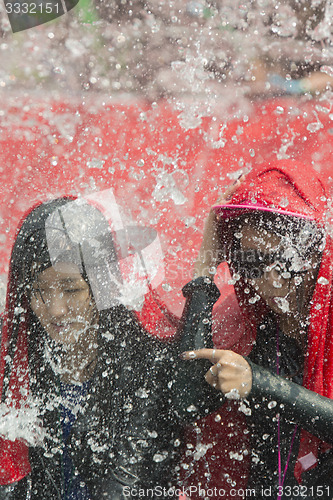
(274, 228)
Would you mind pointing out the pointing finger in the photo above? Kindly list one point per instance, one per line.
(211, 354)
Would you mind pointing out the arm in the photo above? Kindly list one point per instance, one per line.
(312, 412)
(210, 253)
(192, 397)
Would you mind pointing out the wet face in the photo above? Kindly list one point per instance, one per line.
(62, 302)
(285, 291)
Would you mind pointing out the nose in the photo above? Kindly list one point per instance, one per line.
(56, 304)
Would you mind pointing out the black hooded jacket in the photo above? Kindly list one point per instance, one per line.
(125, 433)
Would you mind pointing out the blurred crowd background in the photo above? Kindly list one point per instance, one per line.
(211, 50)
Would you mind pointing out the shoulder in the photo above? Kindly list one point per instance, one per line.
(123, 333)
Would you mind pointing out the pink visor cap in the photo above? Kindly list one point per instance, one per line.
(227, 210)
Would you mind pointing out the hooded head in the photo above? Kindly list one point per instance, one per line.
(58, 233)
(292, 200)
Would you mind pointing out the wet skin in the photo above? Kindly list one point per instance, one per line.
(62, 302)
(272, 286)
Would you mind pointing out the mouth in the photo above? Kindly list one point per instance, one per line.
(62, 327)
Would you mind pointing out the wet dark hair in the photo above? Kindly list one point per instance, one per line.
(304, 235)
(31, 256)
(68, 231)
(29, 247)
(30, 252)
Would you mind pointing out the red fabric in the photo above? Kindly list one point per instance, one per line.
(217, 454)
(50, 146)
(14, 463)
(156, 318)
(285, 186)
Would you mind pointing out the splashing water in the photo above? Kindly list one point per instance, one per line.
(21, 423)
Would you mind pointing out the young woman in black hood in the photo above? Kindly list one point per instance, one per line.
(99, 381)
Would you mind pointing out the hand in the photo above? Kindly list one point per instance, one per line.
(317, 82)
(210, 253)
(230, 372)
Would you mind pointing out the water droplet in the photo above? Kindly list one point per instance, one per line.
(233, 394)
(95, 163)
(159, 457)
(245, 409)
(142, 393)
(284, 202)
(254, 299)
(298, 279)
(327, 69)
(191, 408)
(314, 127)
(323, 281)
(283, 303)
